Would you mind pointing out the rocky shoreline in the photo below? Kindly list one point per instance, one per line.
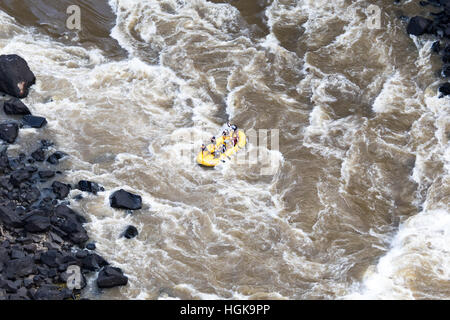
(45, 252)
(437, 24)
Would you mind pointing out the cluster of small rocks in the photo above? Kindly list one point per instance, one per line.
(41, 236)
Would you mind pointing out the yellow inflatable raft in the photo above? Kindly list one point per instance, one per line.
(206, 158)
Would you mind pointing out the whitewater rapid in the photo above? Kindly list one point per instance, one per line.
(357, 206)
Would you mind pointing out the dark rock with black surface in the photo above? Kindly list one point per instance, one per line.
(54, 158)
(130, 232)
(15, 76)
(15, 106)
(9, 131)
(419, 25)
(39, 155)
(37, 223)
(90, 187)
(61, 190)
(125, 200)
(93, 262)
(34, 121)
(110, 277)
(444, 89)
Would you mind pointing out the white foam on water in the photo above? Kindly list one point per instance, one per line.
(419, 251)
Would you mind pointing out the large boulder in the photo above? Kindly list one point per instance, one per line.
(37, 223)
(20, 267)
(9, 131)
(110, 277)
(89, 186)
(34, 121)
(19, 176)
(69, 225)
(15, 76)
(50, 258)
(93, 262)
(444, 89)
(125, 200)
(9, 216)
(46, 174)
(30, 195)
(61, 190)
(418, 26)
(15, 107)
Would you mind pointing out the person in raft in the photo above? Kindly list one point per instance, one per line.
(225, 136)
(234, 139)
(234, 134)
(203, 149)
(232, 126)
(212, 150)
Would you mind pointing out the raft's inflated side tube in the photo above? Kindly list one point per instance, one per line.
(208, 160)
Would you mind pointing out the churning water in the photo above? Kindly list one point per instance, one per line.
(358, 206)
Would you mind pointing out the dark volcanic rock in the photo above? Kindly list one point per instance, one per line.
(124, 200)
(54, 158)
(20, 267)
(50, 292)
(15, 76)
(61, 190)
(436, 47)
(19, 176)
(418, 25)
(130, 232)
(17, 254)
(34, 121)
(9, 216)
(37, 223)
(9, 131)
(50, 258)
(38, 155)
(110, 277)
(89, 186)
(11, 286)
(15, 107)
(444, 89)
(4, 256)
(69, 225)
(30, 195)
(4, 160)
(446, 71)
(46, 174)
(93, 262)
(91, 246)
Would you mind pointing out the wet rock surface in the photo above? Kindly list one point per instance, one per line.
(15, 76)
(125, 200)
(131, 232)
